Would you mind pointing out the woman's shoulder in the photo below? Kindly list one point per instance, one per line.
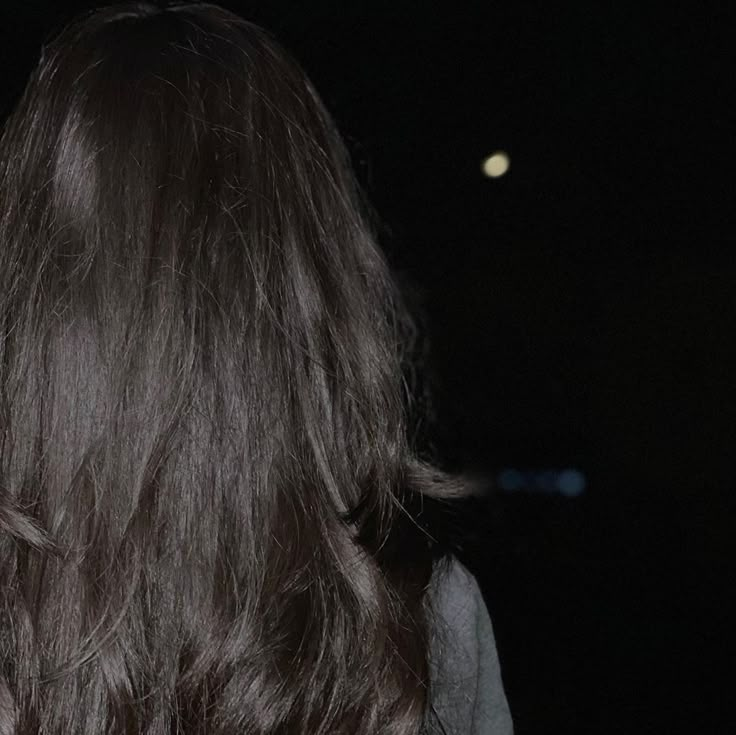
(454, 587)
(467, 691)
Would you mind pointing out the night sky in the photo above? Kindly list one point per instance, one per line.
(579, 310)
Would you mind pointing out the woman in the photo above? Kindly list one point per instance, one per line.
(209, 517)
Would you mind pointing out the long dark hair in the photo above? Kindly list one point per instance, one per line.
(208, 501)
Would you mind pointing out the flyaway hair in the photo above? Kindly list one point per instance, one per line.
(210, 512)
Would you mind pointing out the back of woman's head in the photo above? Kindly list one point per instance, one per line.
(204, 469)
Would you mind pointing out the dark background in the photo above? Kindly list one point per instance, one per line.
(580, 311)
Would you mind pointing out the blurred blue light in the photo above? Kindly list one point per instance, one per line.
(510, 480)
(569, 482)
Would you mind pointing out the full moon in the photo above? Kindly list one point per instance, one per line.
(497, 164)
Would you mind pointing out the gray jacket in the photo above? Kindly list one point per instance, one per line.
(465, 676)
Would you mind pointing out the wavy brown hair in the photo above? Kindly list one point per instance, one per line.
(210, 512)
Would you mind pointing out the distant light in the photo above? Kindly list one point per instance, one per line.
(571, 483)
(510, 480)
(497, 164)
